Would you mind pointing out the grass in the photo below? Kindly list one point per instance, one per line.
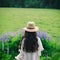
(48, 20)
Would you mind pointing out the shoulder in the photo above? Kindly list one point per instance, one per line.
(38, 38)
(23, 40)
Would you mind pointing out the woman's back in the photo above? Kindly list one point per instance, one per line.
(31, 56)
(31, 45)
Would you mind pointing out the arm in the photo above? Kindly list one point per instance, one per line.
(22, 44)
(21, 54)
(40, 48)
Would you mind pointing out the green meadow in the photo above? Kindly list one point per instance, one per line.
(13, 19)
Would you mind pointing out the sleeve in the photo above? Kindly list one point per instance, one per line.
(40, 48)
(21, 54)
(21, 50)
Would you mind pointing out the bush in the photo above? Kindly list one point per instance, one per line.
(13, 44)
(48, 48)
(46, 42)
(45, 58)
(10, 47)
(4, 56)
(56, 56)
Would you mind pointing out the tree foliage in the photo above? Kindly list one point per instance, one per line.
(31, 3)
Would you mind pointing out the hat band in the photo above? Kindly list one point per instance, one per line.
(30, 28)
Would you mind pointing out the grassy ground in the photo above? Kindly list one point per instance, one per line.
(48, 20)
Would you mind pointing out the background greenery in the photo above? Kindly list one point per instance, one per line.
(31, 3)
(14, 19)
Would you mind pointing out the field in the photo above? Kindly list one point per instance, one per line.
(13, 19)
(48, 20)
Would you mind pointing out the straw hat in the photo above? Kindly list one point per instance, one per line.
(31, 27)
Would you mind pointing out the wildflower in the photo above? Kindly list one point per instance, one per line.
(49, 37)
(18, 32)
(39, 35)
(43, 35)
(11, 34)
(0, 38)
(4, 37)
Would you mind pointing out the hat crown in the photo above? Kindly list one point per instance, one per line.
(31, 25)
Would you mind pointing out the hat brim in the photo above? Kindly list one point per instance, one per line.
(31, 30)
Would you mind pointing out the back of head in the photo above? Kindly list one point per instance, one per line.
(30, 42)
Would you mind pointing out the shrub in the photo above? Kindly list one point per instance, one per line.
(45, 58)
(4, 56)
(12, 41)
(45, 38)
(56, 56)
(14, 46)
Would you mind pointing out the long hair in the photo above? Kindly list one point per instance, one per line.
(30, 42)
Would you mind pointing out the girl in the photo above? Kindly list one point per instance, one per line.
(31, 45)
